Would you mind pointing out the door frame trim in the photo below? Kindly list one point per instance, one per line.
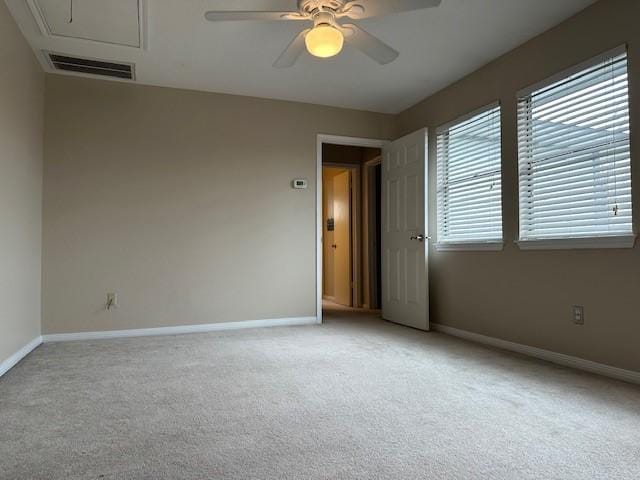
(367, 240)
(336, 140)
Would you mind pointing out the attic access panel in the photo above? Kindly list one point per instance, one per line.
(106, 21)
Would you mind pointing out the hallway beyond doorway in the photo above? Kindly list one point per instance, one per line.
(334, 311)
(351, 225)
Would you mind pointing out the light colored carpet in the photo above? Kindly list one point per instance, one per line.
(356, 398)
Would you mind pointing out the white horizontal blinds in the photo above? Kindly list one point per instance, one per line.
(574, 159)
(469, 180)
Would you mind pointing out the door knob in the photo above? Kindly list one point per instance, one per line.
(420, 237)
(334, 246)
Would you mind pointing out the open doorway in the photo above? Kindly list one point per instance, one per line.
(351, 229)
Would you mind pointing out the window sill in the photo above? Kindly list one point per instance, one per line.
(470, 247)
(617, 241)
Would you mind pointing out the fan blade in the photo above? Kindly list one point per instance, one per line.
(359, 9)
(293, 51)
(231, 16)
(370, 45)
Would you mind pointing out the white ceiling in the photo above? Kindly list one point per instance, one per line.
(179, 48)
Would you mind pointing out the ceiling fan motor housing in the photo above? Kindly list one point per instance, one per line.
(324, 18)
(311, 7)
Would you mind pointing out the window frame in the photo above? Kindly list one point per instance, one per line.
(472, 245)
(625, 240)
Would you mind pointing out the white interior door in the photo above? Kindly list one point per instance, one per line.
(404, 238)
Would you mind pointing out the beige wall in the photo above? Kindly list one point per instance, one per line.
(526, 296)
(21, 111)
(180, 202)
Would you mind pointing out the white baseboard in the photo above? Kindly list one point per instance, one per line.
(180, 329)
(10, 362)
(554, 357)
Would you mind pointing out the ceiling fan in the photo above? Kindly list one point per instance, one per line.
(331, 27)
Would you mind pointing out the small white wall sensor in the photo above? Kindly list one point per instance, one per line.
(299, 183)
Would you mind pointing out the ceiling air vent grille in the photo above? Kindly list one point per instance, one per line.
(91, 66)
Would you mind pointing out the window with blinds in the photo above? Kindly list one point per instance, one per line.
(469, 192)
(574, 158)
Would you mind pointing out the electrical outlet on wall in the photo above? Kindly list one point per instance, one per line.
(112, 301)
(578, 314)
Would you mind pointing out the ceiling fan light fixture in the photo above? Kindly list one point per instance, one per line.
(324, 41)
